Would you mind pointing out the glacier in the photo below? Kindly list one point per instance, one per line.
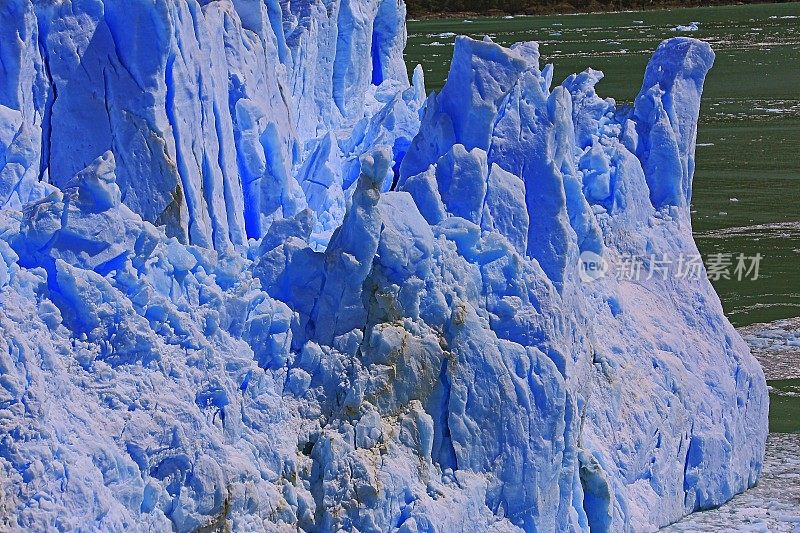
(254, 278)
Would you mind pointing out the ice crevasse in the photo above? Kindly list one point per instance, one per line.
(253, 278)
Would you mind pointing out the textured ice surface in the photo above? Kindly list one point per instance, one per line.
(251, 277)
(209, 107)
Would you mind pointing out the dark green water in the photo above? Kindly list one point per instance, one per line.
(784, 406)
(747, 180)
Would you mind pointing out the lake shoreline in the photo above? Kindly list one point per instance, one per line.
(568, 10)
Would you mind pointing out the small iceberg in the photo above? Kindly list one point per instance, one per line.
(694, 26)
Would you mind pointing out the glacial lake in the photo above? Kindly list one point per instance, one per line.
(747, 181)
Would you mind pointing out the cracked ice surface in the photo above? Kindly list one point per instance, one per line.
(252, 277)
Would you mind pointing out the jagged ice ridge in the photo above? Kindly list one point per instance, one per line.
(251, 277)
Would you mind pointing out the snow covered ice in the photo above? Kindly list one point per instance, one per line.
(252, 277)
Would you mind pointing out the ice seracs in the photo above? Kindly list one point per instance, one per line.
(210, 120)
(251, 277)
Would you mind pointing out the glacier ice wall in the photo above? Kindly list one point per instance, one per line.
(209, 107)
(251, 278)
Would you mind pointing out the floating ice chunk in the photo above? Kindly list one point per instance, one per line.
(694, 26)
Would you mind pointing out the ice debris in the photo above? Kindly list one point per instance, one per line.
(694, 26)
(252, 278)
